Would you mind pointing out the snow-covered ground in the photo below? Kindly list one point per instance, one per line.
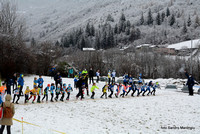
(129, 115)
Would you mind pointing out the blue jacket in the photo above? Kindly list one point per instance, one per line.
(40, 81)
(190, 81)
(130, 79)
(148, 88)
(21, 81)
(0, 100)
(52, 69)
(69, 89)
(52, 89)
(126, 79)
(111, 87)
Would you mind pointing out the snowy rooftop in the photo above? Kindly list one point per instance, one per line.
(89, 49)
(185, 44)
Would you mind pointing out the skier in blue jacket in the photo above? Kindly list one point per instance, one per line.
(111, 89)
(149, 87)
(40, 82)
(52, 88)
(21, 84)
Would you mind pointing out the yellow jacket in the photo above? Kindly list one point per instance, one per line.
(34, 92)
(93, 88)
(105, 88)
(27, 91)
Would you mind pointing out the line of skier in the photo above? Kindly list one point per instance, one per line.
(81, 83)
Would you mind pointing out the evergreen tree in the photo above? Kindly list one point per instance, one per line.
(128, 23)
(158, 19)
(97, 41)
(122, 18)
(104, 40)
(57, 44)
(142, 19)
(87, 29)
(189, 22)
(110, 39)
(197, 22)
(168, 12)
(116, 29)
(150, 18)
(127, 30)
(163, 16)
(122, 26)
(110, 18)
(92, 30)
(184, 30)
(138, 33)
(172, 20)
(65, 42)
(82, 43)
(132, 35)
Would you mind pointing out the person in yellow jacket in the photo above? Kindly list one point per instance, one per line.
(92, 90)
(27, 91)
(104, 90)
(33, 94)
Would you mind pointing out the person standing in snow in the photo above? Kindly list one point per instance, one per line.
(16, 93)
(14, 81)
(9, 83)
(35, 81)
(27, 91)
(7, 118)
(52, 71)
(98, 75)
(75, 80)
(149, 87)
(58, 80)
(113, 76)
(52, 88)
(109, 77)
(46, 92)
(190, 83)
(3, 90)
(91, 75)
(58, 90)
(126, 79)
(68, 90)
(21, 83)
(40, 83)
(79, 85)
(86, 83)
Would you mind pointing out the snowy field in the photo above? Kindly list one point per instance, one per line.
(129, 115)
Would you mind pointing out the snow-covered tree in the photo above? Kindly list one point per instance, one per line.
(172, 20)
(149, 18)
(142, 19)
(158, 19)
(189, 22)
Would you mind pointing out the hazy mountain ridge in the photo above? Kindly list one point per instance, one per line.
(50, 19)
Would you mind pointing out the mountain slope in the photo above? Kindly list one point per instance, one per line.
(50, 19)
